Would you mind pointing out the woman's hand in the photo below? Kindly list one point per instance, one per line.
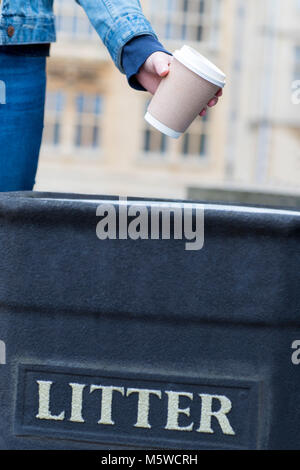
(156, 67)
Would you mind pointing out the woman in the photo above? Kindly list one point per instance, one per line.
(26, 31)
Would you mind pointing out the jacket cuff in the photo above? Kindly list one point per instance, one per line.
(135, 54)
(126, 28)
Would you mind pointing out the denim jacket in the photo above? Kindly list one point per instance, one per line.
(32, 21)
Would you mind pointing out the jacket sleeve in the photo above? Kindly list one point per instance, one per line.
(135, 53)
(117, 22)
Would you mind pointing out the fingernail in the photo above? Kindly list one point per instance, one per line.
(164, 70)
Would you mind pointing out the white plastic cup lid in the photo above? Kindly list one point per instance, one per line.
(196, 62)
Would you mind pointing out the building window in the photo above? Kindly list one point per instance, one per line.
(155, 141)
(89, 109)
(194, 143)
(297, 63)
(72, 21)
(186, 20)
(54, 108)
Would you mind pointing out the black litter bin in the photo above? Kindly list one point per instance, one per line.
(136, 342)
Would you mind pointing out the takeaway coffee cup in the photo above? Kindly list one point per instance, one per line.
(191, 83)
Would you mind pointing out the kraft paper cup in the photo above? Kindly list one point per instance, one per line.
(191, 83)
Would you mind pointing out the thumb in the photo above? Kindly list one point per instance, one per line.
(161, 62)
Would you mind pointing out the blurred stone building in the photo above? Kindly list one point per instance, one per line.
(96, 140)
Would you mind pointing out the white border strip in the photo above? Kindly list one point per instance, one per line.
(182, 205)
(161, 127)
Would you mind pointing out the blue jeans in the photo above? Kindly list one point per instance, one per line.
(21, 119)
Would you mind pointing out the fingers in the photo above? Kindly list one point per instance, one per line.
(212, 102)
